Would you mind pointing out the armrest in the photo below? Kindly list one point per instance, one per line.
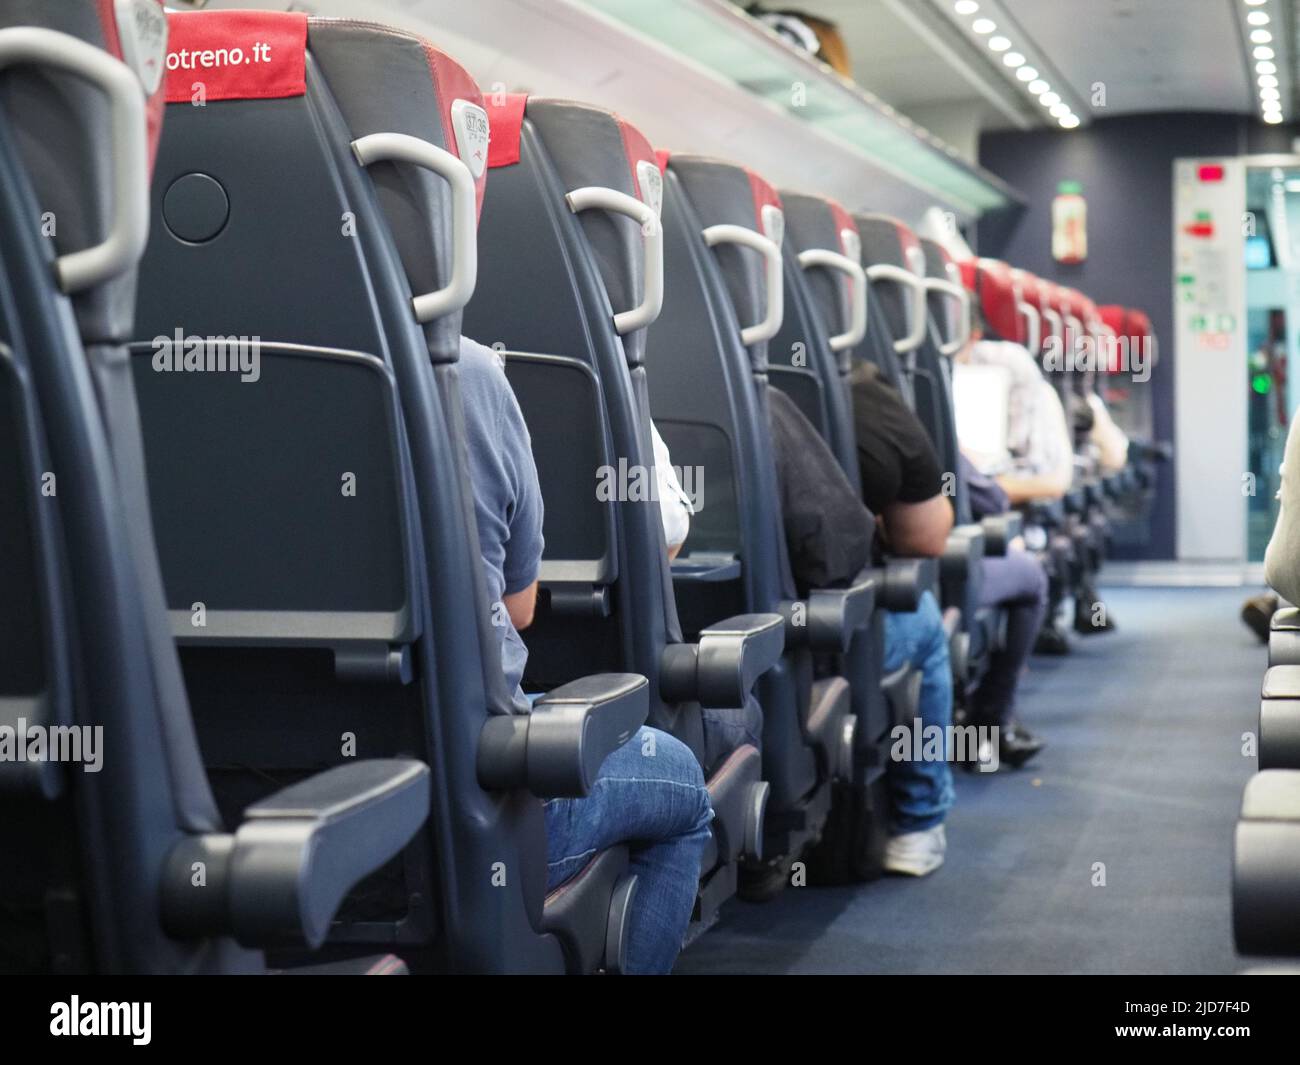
(1000, 530)
(828, 619)
(903, 580)
(1281, 682)
(557, 750)
(1285, 619)
(283, 873)
(719, 671)
(962, 552)
(705, 569)
(1046, 512)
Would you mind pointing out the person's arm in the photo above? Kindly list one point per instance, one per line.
(525, 544)
(1024, 488)
(675, 507)
(1109, 437)
(1051, 460)
(521, 606)
(918, 529)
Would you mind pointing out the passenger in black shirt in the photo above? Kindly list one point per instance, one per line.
(830, 533)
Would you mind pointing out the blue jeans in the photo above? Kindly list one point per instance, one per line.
(921, 790)
(649, 794)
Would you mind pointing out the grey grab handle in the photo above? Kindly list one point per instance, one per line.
(128, 231)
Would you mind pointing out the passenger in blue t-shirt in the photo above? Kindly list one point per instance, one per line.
(649, 793)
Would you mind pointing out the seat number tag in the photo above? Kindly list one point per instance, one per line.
(142, 29)
(852, 244)
(470, 124)
(773, 221)
(651, 183)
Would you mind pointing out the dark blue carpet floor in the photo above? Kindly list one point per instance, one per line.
(1143, 772)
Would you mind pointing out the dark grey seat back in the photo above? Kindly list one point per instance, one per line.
(362, 625)
(88, 847)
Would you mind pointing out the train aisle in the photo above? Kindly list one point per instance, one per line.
(1143, 774)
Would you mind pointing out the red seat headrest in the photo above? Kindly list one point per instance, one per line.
(998, 292)
(1031, 289)
(969, 269)
(236, 55)
(1114, 317)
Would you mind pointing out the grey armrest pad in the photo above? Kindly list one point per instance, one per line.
(1281, 682)
(557, 750)
(1000, 530)
(1285, 619)
(1272, 795)
(283, 874)
(828, 619)
(720, 671)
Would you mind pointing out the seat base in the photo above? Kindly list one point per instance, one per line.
(589, 913)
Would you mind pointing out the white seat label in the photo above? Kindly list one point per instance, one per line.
(470, 124)
(142, 29)
(651, 182)
(773, 221)
(852, 244)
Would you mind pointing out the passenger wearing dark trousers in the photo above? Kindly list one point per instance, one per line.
(650, 793)
(1017, 583)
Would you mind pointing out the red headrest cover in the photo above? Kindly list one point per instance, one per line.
(1031, 290)
(236, 55)
(1114, 317)
(764, 196)
(844, 223)
(998, 294)
(506, 116)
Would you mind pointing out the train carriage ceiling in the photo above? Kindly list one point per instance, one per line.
(928, 75)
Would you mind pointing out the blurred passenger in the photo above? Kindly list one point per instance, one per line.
(1016, 583)
(830, 534)
(650, 793)
(1282, 556)
(1039, 465)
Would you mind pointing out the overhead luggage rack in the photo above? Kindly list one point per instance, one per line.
(741, 50)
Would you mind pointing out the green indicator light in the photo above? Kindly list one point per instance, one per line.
(1261, 383)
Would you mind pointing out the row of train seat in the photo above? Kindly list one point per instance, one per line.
(269, 594)
(1266, 853)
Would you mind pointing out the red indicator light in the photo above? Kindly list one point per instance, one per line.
(1210, 173)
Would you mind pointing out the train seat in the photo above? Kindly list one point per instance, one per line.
(708, 387)
(329, 205)
(571, 275)
(184, 891)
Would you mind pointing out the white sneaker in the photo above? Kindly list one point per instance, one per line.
(916, 853)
